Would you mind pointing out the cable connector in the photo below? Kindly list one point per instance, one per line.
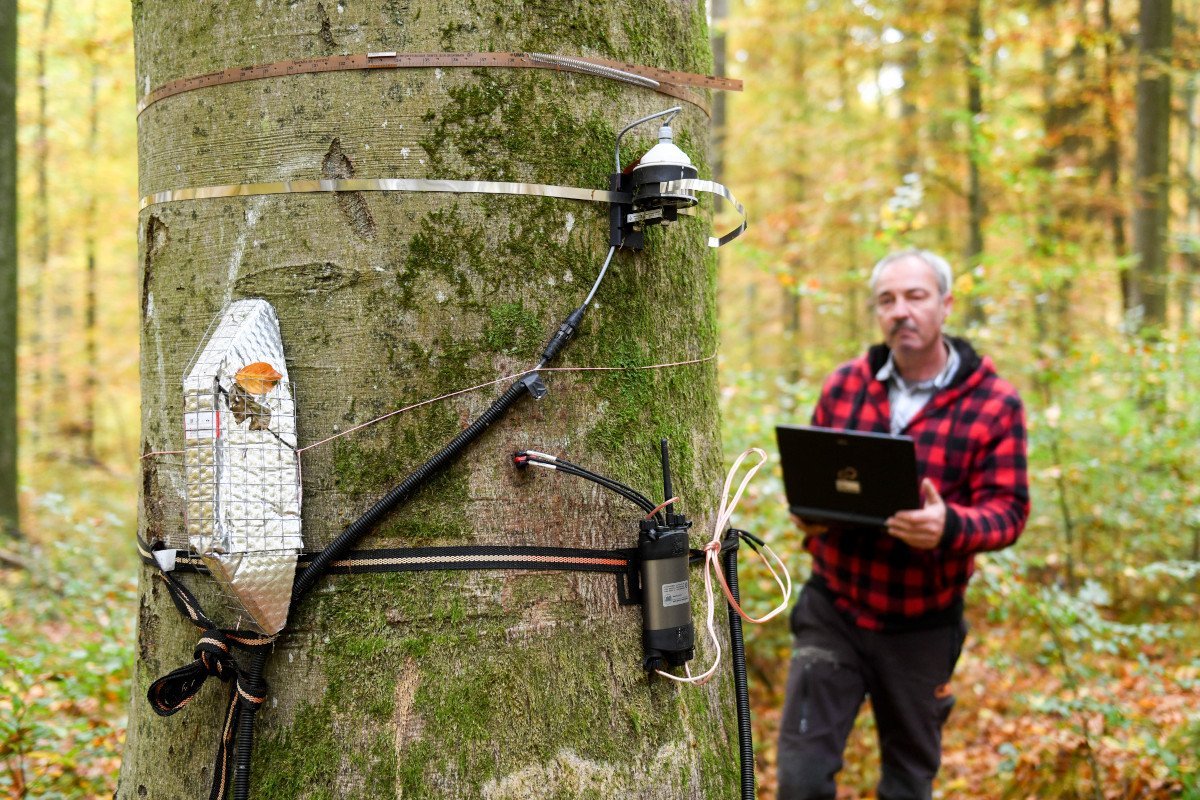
(534, 385)
(520, 460)
(563, 335)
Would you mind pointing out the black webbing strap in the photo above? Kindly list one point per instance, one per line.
(213, 658)
(619, 561)
(213, 654)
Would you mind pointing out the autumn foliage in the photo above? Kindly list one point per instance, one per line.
(1000, 134)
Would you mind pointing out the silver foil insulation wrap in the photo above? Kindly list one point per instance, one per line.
(242, 468)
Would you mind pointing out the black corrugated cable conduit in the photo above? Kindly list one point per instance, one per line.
(529, 383)
(737, 647)
(353, 532)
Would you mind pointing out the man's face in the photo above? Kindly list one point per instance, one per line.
(908, 305)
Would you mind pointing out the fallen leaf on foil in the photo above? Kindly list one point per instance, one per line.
(243, 405)
(257, 378)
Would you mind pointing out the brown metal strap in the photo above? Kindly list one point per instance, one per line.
(668, 82)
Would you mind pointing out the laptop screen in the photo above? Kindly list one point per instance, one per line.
(847, 477)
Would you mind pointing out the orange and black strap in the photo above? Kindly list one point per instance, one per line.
(425, 559)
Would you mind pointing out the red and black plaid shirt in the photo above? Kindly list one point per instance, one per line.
(970, 441)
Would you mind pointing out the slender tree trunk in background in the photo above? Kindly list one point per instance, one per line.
(856, 293)
(793, 322)
(976, 209)
(40, 279)
(439, 684)
(1150, 211)
(908, 155)
(720, 11)
(9, 516)
(751, 329)
(1191, 252)
(796, 194)
(91, 377)
(1064, 153)
(1110, 161)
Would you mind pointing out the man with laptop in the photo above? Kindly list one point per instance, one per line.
(882, 614)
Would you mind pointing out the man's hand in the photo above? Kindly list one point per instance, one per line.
(809, 527)
(921, 528)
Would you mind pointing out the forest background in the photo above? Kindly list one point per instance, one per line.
(1031, 142)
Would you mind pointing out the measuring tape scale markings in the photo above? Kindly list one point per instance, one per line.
(668, 82)
(437, 185)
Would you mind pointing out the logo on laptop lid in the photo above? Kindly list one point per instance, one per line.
(847, 481)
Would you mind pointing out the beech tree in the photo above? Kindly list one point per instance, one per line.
(8, 267)
(497, 684)
(1150, 211)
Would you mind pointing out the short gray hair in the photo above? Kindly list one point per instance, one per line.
(941, 268)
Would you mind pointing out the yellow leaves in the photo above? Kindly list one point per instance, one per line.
(258, 378)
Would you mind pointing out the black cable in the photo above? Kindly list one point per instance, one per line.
(741, 688)
(611, 485)
(571, 323)
(597, 476)
(526, 457)
(338, 547)
(355, 531)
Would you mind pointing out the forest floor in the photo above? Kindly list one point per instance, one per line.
(1030, 722)
(1022, 730)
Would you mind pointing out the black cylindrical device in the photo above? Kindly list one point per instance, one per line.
(668, 636)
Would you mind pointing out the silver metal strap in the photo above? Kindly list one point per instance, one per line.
(709, 187)
(438, 185)
(384, 185)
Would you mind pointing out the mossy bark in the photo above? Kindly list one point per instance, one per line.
(443, 684)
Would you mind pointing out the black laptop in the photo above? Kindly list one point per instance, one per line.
(847, 477)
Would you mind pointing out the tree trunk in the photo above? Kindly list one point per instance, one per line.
(1191, 182)
(720, 121)
(908, 145)
(976, 208)
(440, 684)
(41, 279)
(1150, 165)
(8, 268)
(1110, 160)
(91, 380)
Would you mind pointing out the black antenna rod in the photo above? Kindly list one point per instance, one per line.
(668, 493)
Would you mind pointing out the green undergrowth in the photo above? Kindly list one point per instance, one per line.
(67, 616)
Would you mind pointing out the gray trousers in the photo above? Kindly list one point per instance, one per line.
(835, 665)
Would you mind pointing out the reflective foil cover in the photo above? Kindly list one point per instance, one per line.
(243, 472)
